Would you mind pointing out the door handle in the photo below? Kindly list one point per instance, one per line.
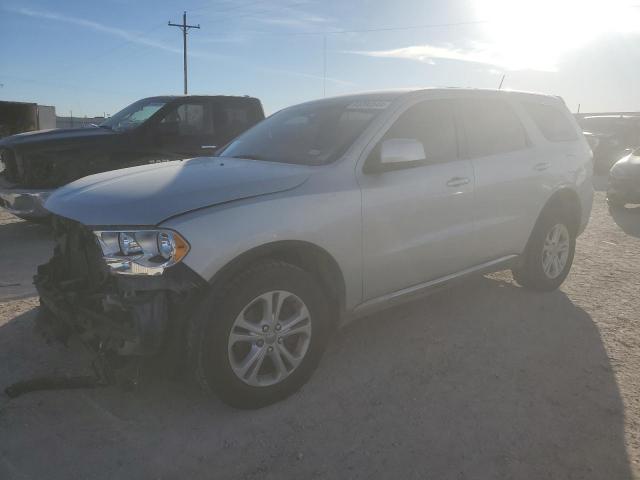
(457, 181)
(208, 146)
(540, 167)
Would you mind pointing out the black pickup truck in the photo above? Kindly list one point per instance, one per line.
(150, 130)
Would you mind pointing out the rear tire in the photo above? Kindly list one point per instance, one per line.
(549, 254)
(258, 338)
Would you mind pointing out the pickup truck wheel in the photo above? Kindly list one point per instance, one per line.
(614, 201)
(259, 338)
(549, 254)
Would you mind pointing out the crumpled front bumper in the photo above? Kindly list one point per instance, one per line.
(23, 202)
(103, 321)
(122, 315)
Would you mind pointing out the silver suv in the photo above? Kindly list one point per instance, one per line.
(245, 262)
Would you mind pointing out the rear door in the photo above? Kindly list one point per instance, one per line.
(507, 170)
(233, 116)
(417, 221)
(185, 128)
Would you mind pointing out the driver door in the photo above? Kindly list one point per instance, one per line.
(417, 220)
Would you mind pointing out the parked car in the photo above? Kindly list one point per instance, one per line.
(624, 181)
(150, 130)
(320, 214)
(611, 137)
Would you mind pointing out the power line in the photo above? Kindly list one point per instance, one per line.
(270, 9)
(225, 10)
(185, 28)
(381, 29)
(124, 43)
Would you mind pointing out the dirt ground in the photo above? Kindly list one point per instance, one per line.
(481, 381)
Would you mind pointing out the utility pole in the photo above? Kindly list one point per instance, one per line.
(184, 27)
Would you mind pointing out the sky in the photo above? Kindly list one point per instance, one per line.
(96, 57)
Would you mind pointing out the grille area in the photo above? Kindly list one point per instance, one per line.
(77, 258)
(9, 161)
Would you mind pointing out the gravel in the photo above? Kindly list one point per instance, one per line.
(484, 380)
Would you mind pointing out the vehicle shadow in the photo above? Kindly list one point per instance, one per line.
(484, 380)
(628, 219)
(22, 244)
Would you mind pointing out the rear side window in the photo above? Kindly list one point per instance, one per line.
(189, 119)
(553, 123)
(231, 120)
(624, 129)
(432, 123)
(491, 127)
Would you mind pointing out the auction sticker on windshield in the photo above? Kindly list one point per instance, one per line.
(369, 105)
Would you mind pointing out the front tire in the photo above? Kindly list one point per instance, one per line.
(259, 338)
(40, 220)
(549, 254)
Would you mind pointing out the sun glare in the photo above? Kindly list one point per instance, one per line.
(536, 34)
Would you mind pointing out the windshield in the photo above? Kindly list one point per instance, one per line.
(310, 134)
(133, 115)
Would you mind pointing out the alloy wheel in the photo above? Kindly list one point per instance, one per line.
(555, 251)
(269, 338)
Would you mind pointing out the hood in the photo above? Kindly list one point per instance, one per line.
(150, 194)
(55, 135)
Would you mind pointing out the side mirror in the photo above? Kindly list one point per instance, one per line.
(397, 153)
(401, 150)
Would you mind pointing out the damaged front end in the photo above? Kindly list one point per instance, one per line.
(117, 316)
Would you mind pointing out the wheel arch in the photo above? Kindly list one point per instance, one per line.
(306, 255)
(566, 200)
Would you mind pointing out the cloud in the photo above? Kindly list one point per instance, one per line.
(125, 35)
(291, 73)
(529, 35)
(477, 53)
(290, 16)
(96, 26)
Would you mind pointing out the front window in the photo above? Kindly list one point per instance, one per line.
(310, 134)
(431, 123)
(134, 115)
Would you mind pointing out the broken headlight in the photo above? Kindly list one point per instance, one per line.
(141, 252)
